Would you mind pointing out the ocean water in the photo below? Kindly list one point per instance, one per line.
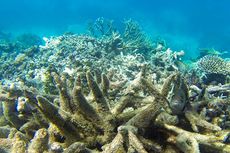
(184, 24)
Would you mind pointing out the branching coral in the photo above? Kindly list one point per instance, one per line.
(188, 141)
(101, 27)
(135, 39)
(82, 120)
(132, 39)
(213, 64)
(103, 97)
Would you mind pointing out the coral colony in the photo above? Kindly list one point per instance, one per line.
(112, 92)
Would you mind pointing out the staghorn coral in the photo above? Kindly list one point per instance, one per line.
(92, 120)
(192, 140)
(132, 39)
(40, 142)
(101, 27)
(135, 39)
(90, 94)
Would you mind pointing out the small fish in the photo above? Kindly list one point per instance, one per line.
(212, 51)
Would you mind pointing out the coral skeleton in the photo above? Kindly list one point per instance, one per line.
(100, 93)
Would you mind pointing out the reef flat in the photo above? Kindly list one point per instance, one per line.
(111, 91)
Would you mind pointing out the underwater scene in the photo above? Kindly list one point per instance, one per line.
(106, 76)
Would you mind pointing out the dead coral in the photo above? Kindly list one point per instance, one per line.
(92, 120)
(131, 104)
(211, 141)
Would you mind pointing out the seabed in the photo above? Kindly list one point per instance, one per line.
(112, 92)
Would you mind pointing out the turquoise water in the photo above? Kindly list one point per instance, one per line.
(184, 24)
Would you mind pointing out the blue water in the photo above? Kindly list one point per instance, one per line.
(185, 24)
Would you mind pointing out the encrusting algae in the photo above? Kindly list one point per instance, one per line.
(99, 93)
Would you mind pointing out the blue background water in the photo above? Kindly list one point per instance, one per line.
(185, 24)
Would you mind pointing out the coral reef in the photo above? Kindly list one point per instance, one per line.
(81, 93)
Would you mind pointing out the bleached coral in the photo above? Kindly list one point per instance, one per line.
(50, 42)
